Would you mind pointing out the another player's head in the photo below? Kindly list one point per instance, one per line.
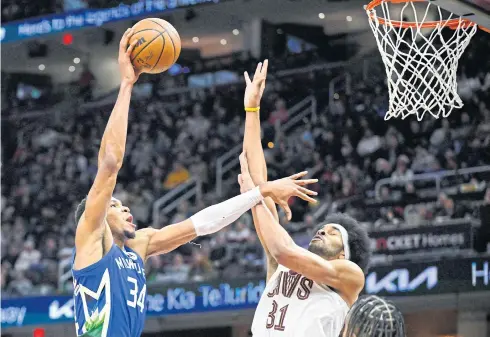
(372, 316)
(118, 217)
(342, 237)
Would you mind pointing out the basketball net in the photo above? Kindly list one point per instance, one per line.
(420, 57)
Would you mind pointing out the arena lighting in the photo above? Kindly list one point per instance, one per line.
(195, 39)
(321, 15)
(76, 60)
(71, 69)
(67, 39)
(42, 67)
(223, 42)
(236, 32)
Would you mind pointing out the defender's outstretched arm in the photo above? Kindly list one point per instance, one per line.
(252, 144)
(111, 152)
(213, 218)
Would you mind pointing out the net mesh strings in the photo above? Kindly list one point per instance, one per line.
(421, 68)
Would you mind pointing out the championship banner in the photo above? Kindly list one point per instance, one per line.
(58, 23)
(420, 239)
(409, 279)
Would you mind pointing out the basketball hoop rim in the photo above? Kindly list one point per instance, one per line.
(453, 23)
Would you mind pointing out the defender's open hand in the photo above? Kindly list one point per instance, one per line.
(255, 88)
(279, 190)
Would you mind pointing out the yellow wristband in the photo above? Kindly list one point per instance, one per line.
(252, 109)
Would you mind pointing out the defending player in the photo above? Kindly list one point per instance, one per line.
(309, 292)
(372, 316)
(108, 262)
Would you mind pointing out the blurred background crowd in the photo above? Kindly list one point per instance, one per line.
(177, 134)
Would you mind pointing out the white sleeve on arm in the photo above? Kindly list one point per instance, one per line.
(212, 219)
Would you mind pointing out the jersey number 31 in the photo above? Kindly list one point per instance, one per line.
(271, 318)
(140, 302)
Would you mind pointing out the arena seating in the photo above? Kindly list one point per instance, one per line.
(367, 167)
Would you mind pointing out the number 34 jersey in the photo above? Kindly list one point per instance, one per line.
(293, 305)
(110, 295)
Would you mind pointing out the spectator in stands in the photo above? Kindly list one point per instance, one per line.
(201, 268)
(177, 176)
(178, 270)
(27, 258)
(447, 208)
(239, 232)
(280, 114)
(402, 174)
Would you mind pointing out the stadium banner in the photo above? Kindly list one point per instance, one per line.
(58, 23)
(447, 276)
(420, 239)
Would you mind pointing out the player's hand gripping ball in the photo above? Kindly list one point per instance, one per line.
(157, 47)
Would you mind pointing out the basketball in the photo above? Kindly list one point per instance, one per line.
(158, 45)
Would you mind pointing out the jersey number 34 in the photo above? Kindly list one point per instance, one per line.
(140, 302)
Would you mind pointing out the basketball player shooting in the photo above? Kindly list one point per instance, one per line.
(309, 291)
(372, 316)
(108, 261)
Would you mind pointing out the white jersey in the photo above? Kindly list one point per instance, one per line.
(295, 306)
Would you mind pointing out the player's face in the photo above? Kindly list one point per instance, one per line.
(120, 220)
(327, 242)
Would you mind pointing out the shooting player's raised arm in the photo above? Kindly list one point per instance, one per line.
(111, 153)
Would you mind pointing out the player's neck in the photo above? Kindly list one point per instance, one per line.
(120, 243)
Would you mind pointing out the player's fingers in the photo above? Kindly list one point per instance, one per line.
(247, 78)
(243, 162)
(305, 182)
(298, 175)
(131, 47)
(264, 67)
(307, 191)
(124, 40)
(305, 197)
(257, 71)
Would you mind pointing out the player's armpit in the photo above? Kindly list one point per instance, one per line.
(342, 275)
(170, 237)
(98, 199)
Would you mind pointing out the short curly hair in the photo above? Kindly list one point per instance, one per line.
(359, 242)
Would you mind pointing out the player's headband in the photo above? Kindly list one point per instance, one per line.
(345, 239)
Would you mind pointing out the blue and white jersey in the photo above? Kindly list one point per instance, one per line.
(110, 295)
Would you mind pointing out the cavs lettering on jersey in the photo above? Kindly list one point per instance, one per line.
(110, 295)
(293, 306)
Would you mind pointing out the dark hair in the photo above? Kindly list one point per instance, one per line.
(373, 316)
(359, 243)
(80, 209)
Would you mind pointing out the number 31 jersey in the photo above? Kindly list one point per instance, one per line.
(110, 295)
(293, 305)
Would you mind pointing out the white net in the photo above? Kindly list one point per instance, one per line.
(421, 59)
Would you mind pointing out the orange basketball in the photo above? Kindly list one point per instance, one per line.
(158, 45)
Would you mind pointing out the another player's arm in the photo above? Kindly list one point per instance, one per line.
(111, 153)
(253, 146)
(213, 218)
(342, 275)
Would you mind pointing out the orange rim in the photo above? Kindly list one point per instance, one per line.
(453, 23)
